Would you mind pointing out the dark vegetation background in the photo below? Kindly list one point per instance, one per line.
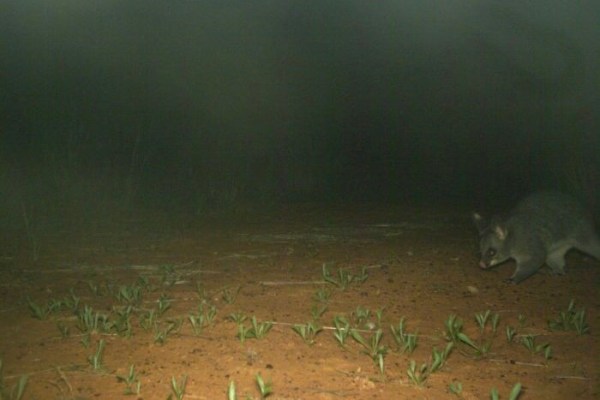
(196, 107)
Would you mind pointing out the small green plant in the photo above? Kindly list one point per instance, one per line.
(94, 288)
(417, 376)
(72, 301)
(38, 311)
(364, 275)
(307, 331)
(405, 342)
(237, 317)
(95, 359)
(148, 320)
(482, 319)
(322, 295)
(343, 280)
(373, 348)
(17, 391)
(480, 349)
(163, 304)
(129, 294)
(133, 384)
(265, 388)
(361, 315)
(379, 315)
(454, 327)
(456, 388)
(342, 329)
(571, 319)
(510, 333)
(317, 311)
(173, 326)
(438, 358)
(63, 329)
(231, 393)
(257, 330)
(229, 294)
(514, 393)
(495, 322)
(522, 319)
(529, 343)
(89, 321)
(178, 388)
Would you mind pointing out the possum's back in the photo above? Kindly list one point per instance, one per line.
(553, 215)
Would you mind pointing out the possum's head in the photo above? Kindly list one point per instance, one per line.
(492, 241)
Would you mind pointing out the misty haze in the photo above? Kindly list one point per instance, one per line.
(175, 168)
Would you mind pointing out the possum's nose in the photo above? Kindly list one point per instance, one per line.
(483, 265)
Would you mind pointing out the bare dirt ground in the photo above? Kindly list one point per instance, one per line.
(421, 265)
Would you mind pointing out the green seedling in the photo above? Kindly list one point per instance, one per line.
(85, 340)
(95, 359)
(72, 301)
(322, 295)
(510, 334)
(173, 326)
(379, 315)
(307, 331)
(361, 315)
(231, 393)
(257, 330)
(364, 275)
(456, 388)
(243, 333)
(405, 342)
(148, 320)
(373, 348)
(454, 327)
(237, 317)
(198, 323)
(417, 376)
(529, 343)
(143, 282)
(178, 389)
(229, 295)
(342, 330)
(343, 280)
(163, 304)
(480, 350)
(438, 358)
(203, 318)
(571, 319)
(130, 380)
(482, 319)
(522, 319)
(168, 275)
(317, 311)
(201, 291)
(63, 329)
(122, 324)
(89, 321)
(37, 311)
(17, 391)
(265, 388)
(131, 295)
(495, 322)
(514, 393)
(94, 288)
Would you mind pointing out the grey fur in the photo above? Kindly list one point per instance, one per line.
(540, 230)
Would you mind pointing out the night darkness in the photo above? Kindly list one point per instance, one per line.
(194, 106)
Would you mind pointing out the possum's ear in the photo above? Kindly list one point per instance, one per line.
(480, 223)
(500, 231)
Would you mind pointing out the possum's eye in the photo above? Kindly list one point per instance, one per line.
(490, 252)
